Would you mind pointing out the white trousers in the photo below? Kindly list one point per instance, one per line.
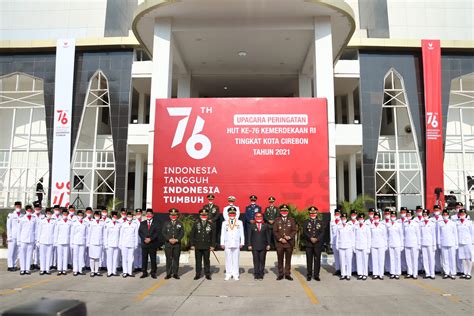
(395, 256)
(46, 254)
(54, 259)
(137, 258)
(103, 258)
(36, 254)
(466, 266)
(63, 254)
(438, 260)
(232, 262)
(411, 255)
(94, 264)
(25, 253)
(345, 255)
(337, 262)
(428, 253)
(378, 261)
(78, 257)
(362, 261)
(448, 260)
(12, 253)
(112, 259)
(127, 259)
(388, 262)
(86, 257)
(403, 260)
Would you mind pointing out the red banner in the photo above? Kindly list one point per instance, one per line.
(267, 147)
(433, 122)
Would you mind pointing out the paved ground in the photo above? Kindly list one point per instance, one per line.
(118, 296)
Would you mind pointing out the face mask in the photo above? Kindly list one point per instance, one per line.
(253, 203)
(89, 215)
(376, 220)
(232, 216)
(115, 217)
(371, 216)
(129, 219)
(463, 216)
(344, 220)
(418, 213)
(29, 212)
(436, 213)
(37, 211)
(313, 216)
(337, 216)
(97, 218)
(408, 217)
(403, 215)
(445, 217)
(123, 215)
(353, 217)
(210, 202)
(104, 214)
(48, 216)
(387, 216)
(149, 216)
(56, 212)
(71, 212)
(18, 209)
(64, 216)
(259, 220)
(361, 221)
(80, 218)
(204, 218)
(393, 219)
(173, 217)
(425, 218)
(284, 214)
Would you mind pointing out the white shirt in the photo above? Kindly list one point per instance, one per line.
(345, 236)
(27, 229)
(378, 235)
(232, 234)
(447, 234)
(362, 236)
(465, 232)
(79, 232)
(395, 234)
(333, 227)
(128, 235)
(226, 214)
(411, 231)
(112, 234)
(62, 232)
(95, 234)
(13, 222)
(46, 231)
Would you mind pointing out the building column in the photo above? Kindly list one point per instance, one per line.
(141, 108)
(138, 193)
(323, 67)
(304, 86)
(352, 177)
(350, 108)
(339, 110)
(161, 76)
(341, 196)
(184, 86)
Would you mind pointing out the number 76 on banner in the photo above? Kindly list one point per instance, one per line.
(62, 117)
(432, 119)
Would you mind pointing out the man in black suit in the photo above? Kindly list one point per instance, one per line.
(149, 234)
(313, 231)
(259, 235)
(203, 239)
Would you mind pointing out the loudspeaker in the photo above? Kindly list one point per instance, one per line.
(78, 183)
(49, 307)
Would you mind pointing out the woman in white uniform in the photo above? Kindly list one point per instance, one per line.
(378, 246)
(95, 241)
(127, 243)
(428, 245)
(362, 236)
(395, 245)
(78, 243)
(465, 239)
(412, 241)
(345, 246)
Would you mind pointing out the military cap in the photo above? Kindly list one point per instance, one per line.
(71, 206)
(426, 212)
(336, 210)
(64, 210)
(313, 209)
(173, 211)
(56, 206)
(343, 214)
(436, 207)
(114, 213)
(284, 207)
(462, 211)
(418, 207)
(386, 210)
(371, 210)
(232, 210)
(129, 213)
(376, 214)
(17, 203)
(411, 212)
(28, 207)
(48, 210)
(353, 212)
(403, 208)
(459, 204)
(445, 211)
(271, 199)
(96, 212)
(138, 210)
(211, 197)
(393, 213)
(149, 210)
(88, 208)
(123, 210)
(80, 212)
(253, 197)
(361, 215)
(37, 204)
(231, 198)
(202, 212)
(103, 208)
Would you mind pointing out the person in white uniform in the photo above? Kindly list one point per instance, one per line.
(465, 241)
(345, 246)
(428, 244)
(333, 230)
(62, 240)
(57, 217)
(225, 211)
(88, 219)
(362, 237)
(26, 238)
(353, 221)
(137, 255)
(78, 243)
(232, 240)
(447, 239)
(111, 243)
(36, 253)
(386, 222)
(127, 243)
(46, 240)
(412, 241)
(105, 219)
(395, 245)
(378, 246)
(437, 218)
(401, 220)
(369, 221)
(455, 218)
(13, 222)
(95, 242)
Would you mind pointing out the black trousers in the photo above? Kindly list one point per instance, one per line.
(172, 253)
(284, 253)
(313, 259)
(203, 255)
(148, 252)
(258, 262)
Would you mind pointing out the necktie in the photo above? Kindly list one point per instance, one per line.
(29, 217)
(361, 225)
(259, 227)
(462, 220)
(48, 220)
(426, 222)
(445, 221)
(149, 224)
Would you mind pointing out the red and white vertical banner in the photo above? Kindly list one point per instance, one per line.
(61, 167)
(431, 52)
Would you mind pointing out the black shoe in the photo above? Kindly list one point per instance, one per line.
(381, 278)
(397, 277)
(459, 273)
(131, 275)
(445, 276)
(144, 275)
(317, 278)
(167, 277)
(468, 277)
(124, 275)
(22, 272)
(432, 278)
(342, 278)
(392, 276)
(375, 277)
(359, 277)
(176, 277)
(280, 277)
(48, 273)
(425, 277)
(308, 278)
(92, 274)
(109, 275)
(42, 272)
(197, 277)
(208, 277)
(462, 276)
(348, 278)
(364, 278)
(338, 272)
(153, 275)
(98, 274)
(415, 278)
(75, 274)
(408, 276)
(453, 277)
(9, 269)
(59, 273)
(289, 278)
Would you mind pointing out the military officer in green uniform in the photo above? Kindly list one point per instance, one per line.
(213, 215)
(313, 232)
(271, 213)
(203, 239)
(173, 232)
